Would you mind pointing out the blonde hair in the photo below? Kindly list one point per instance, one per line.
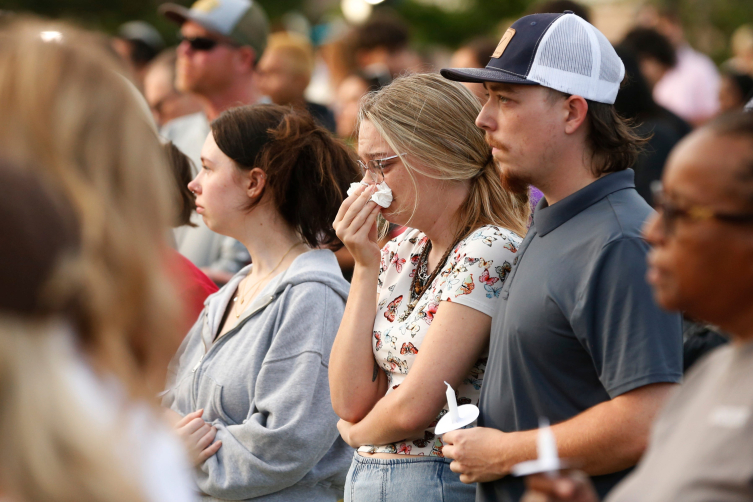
(67, 113)
(52, 451)
(741, 40)
(433, 120)
(66, 110)
(297, 48)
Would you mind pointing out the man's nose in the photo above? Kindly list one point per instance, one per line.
(485, 120)
(184, 48)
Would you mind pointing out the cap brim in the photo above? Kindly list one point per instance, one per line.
(481, 75)
(174, 12)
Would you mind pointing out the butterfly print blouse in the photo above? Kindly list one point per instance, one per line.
(473, 276)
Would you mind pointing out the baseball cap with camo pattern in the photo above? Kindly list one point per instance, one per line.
(242, 21)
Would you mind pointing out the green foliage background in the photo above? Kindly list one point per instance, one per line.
(710, 22)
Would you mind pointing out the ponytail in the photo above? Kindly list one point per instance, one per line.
(489, 203)
(308, 172)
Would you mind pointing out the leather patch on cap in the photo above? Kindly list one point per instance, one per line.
(502, 45)
(205, 5)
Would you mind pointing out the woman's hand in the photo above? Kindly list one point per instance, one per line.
(197, 436)
(344, 428)
(355, 225)
(570, 487)
(171, 417)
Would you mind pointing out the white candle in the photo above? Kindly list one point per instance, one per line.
(452, 404)
(546, 445)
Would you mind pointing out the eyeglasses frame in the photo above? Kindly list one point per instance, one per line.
(375, 167)
(670, 212)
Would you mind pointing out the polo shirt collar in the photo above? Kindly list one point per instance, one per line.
(547, 218)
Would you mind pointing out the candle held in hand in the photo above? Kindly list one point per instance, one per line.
(452, 404)
(457, 416)
(546, 447)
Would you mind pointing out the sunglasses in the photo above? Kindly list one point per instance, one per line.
(671, 212)
(201, 43)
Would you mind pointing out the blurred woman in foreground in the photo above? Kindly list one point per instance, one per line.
(73, 124)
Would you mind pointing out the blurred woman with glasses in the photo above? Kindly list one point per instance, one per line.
(419, 310)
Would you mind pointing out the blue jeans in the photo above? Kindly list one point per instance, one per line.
(406, 479)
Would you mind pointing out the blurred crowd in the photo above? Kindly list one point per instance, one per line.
(670, 87)
(187, 306)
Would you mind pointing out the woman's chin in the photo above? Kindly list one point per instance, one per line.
(392, 217)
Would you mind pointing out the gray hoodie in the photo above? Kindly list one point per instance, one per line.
(264, 386)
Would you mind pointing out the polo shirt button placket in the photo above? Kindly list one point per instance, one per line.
(522, 249)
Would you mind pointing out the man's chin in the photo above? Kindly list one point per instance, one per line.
(513, 183)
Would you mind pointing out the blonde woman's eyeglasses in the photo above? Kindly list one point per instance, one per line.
(375, 168)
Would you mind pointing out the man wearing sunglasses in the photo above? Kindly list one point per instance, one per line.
(221, 44)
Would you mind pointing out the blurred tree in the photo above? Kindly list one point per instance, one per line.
(107, 15)
(450, 23)
(444, 22)
(709, 24)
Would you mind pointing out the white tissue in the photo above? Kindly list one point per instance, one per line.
(354, 187)
(383, 195)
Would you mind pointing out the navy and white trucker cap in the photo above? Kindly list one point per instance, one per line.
(560, 51)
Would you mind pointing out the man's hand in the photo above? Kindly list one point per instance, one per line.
(480, 454)
(571, 487)
(198, 437)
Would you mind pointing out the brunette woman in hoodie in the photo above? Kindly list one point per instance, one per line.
(249, 383)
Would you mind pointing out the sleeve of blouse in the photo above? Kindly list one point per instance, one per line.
(479, 267)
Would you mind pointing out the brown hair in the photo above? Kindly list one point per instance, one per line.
(57, 452)
(307, 171)
(182, 175)
(432, 119)
(612, 141)
(39, 232)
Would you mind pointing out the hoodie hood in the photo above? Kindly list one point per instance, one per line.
(318, 265)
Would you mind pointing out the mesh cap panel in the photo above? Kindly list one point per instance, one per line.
(575, 58)
(610, 61)
(568, 48)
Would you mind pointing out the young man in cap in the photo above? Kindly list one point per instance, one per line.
(578, 338)
(222, 41)
(700, 444)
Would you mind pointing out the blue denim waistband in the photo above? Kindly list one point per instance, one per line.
(396, 461)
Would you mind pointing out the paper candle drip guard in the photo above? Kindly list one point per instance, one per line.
(457, 416)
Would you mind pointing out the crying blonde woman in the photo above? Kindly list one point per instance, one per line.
(419, 310)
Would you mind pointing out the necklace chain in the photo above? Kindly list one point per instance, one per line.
(422, 279)
(243, 296)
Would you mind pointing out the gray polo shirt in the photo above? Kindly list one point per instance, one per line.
(577, 324)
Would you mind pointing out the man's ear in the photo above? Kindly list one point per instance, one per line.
(246, 58)
(254, 182)
(576, 109)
